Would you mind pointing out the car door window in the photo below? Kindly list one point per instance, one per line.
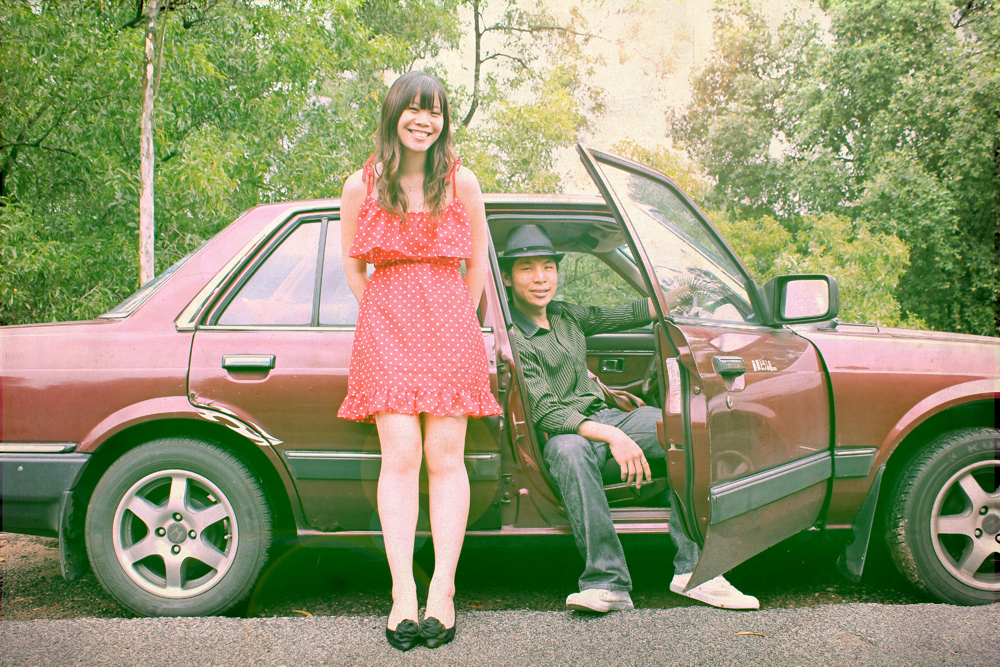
(337, 305)
(695, 271)
(280, 291)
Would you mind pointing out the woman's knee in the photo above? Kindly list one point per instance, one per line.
(444, 444)
(444, 461)
(401, 461)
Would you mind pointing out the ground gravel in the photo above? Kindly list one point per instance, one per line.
(851, 634)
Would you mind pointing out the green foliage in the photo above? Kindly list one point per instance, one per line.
(866, 263)
(49, 274)
(512, 150)
(258, 101)
(893, 120)
(586, 280)
(522, 107)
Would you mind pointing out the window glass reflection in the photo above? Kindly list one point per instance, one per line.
(695, 273)
(280, 292)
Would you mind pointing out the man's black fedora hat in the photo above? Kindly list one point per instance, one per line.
(527, 241)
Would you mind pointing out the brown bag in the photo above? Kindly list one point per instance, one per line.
(617, 398)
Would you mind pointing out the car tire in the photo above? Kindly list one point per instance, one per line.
(943, 518)
(178, 527)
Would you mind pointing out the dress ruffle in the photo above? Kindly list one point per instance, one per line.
(418, 236)
(443, 402)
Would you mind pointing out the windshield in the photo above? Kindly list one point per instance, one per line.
(695, 272)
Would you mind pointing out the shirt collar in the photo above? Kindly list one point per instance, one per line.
(524, 323)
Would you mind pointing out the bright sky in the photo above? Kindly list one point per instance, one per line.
(666, 41)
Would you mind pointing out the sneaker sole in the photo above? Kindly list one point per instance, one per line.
(611, 606)
(717, 604)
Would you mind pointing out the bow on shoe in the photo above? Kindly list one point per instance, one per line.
(406, 635)
(434, 633)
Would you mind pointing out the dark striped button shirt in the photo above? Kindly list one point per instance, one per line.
(554, 361)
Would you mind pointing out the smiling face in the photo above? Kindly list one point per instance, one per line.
(533, 282)
(419, 126)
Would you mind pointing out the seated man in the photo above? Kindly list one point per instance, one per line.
(584, 431)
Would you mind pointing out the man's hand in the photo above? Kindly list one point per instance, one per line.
(635, 467)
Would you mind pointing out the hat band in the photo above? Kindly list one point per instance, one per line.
(533, 248)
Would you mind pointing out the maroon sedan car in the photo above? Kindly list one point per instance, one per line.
(175, 441)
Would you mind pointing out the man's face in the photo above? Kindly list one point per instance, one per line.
(533, 281)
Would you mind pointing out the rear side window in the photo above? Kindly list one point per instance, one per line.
(337, 305)
(299, 282)
(281, 290)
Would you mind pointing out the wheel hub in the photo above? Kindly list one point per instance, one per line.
(176, 533)
(194, 542)
(965, 525)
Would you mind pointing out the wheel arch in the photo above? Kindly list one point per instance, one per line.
(971, 414)
(277, 486)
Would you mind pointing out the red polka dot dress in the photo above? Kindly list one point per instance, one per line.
(418, 346)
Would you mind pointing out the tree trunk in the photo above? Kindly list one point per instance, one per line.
(146, 165)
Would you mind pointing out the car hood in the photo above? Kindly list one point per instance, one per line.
(888, 349)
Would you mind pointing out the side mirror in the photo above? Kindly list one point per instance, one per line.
(801, 299)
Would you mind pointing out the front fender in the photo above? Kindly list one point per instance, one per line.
(936, 403)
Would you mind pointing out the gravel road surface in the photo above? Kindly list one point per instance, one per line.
(326, 607)
(851, 634)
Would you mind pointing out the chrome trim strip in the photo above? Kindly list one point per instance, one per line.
(365, 466)
(733, 498)
(296, 327)
(324, 454)
(853, 461)
(269, 327)
(308, 454)
(37, 447)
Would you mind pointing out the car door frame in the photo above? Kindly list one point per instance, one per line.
(728, 535)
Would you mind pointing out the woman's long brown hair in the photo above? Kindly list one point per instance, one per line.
(388, 148)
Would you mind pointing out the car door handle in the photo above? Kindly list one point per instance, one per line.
(613, 365)
(729, 365)
(247, 361)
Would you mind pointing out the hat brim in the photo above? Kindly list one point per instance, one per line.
(508, 260)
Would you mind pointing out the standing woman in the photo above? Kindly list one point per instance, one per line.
(418, 366)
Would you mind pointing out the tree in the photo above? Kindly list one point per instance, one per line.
(893, 124)
(528, 95)
(150, 82)
(257, 101)
(866, 263)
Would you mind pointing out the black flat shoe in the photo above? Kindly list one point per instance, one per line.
(434, 634)
(405, 636)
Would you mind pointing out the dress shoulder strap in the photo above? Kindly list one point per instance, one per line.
(451, 176)
(368, 174)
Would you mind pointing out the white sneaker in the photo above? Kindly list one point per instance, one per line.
(717, 592)
(599, 600)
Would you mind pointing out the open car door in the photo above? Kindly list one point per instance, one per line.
(747, 422)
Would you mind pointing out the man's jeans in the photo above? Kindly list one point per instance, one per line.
(576, 463)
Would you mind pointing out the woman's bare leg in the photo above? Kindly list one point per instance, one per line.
(448, 486)
(398, 504)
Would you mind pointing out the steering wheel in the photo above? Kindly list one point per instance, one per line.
(649, 377)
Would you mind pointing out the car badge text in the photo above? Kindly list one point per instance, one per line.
(762, 365)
